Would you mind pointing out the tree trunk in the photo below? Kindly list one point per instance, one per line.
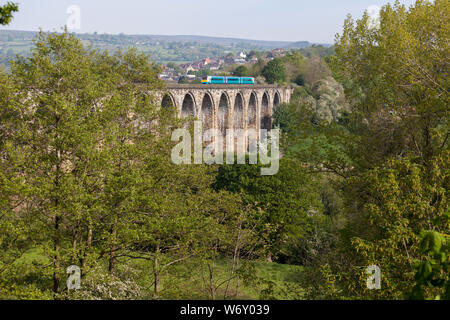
(112, 251)
(156, 271)
(235, 263)
(56, 262)
(88, 248)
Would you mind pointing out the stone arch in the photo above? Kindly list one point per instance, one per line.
(223, 113)
(276, 99)
(207, 111)
(238, 112)
(266, 121)
(167, 101)
(188, 106)
(252, 110)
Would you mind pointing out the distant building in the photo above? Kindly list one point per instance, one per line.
(254, 60)
(277, 53)
(188, 67)
(214, 66)
(243, 55)
(206, 61)
(240, 61)
(229, 60)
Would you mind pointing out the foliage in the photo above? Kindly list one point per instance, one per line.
(274, 71)
(390, 152)
(280, 203)
(6, 12)
(69, 173)
(294, 63)
(432, 276)
(399, 100)
(240, 71)
(86, 176)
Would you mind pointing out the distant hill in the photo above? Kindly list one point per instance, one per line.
(186, 38)
(229, 41)
(162, 48)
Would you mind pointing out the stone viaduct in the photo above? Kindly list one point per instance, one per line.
(225, 106)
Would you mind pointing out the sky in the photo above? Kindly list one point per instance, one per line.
(285, 20)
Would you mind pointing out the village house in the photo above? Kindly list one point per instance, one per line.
(254, 60)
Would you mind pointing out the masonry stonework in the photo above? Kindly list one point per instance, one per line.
(227, 106)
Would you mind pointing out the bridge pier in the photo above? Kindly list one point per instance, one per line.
(227, 106)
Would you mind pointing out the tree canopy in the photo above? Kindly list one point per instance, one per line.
(6, 12)
(274, 71)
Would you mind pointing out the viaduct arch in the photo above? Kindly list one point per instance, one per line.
(226, 106)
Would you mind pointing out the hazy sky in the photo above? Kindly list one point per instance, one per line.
(291, 20)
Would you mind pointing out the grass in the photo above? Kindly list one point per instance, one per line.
(190, 280)
(186, 280)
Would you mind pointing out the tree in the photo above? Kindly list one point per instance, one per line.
(240, 71)
(399, 71)
(295, 64)
(274, 71)
(87, 179)
(315, 69)
(72, 153)
(393, 160)
(432, 280)
(183, 80)
(280, 203)
(6, 12)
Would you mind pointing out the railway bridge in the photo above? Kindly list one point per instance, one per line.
(225, 106)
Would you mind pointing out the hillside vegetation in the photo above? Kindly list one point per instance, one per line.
(87, 180)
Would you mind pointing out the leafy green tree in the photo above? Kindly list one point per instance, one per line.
(398, 71)
(72, 173)
(432, 280)
(396, 205)
(294, 63)
(183, 80)
(274, 71)
(280, 203)
(6, 12)
(392, 159)
(240, 71)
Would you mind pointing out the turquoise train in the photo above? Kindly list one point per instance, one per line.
(227, 80)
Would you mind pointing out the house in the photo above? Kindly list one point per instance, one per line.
(243, 55)
(214, 66)
(229, 60)
(206, 61)
(240, 61)
(254, 60)
(277, 53)
(188, 67)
